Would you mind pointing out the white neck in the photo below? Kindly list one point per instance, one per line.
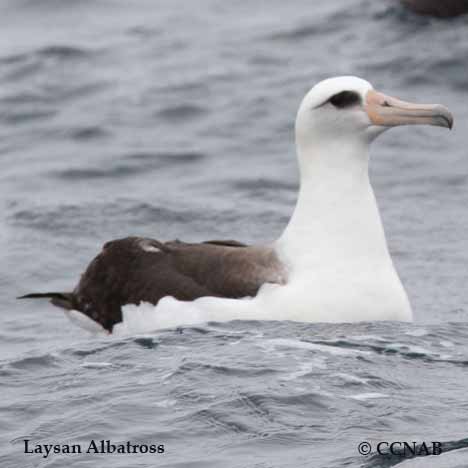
(335, 238)
(336, 212)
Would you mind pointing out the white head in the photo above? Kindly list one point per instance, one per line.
(335, 236)
(346, 111)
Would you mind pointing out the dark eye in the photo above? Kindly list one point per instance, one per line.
(345, 99)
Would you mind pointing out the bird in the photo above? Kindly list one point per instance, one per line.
(439, 8)
(330, 264)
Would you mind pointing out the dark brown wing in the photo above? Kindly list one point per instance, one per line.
(132, 270)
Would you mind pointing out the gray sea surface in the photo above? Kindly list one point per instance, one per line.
(174, 119)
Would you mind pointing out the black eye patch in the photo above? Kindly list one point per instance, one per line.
(345, 99)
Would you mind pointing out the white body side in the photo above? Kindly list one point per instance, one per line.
(334, 246)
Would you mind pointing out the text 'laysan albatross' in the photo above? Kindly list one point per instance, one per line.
(330, 264)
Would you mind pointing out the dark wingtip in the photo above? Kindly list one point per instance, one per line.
(28, 296)
(47, 295)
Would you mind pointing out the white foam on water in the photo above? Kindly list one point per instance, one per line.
(368, 338)
(447, 344)
(417, 332)
(96, 365)
(350, 378)
(298, 344)
(368, 396)
(304, 368)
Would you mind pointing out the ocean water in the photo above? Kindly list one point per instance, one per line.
(173, 119)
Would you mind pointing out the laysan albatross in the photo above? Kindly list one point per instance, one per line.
(332, 260)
